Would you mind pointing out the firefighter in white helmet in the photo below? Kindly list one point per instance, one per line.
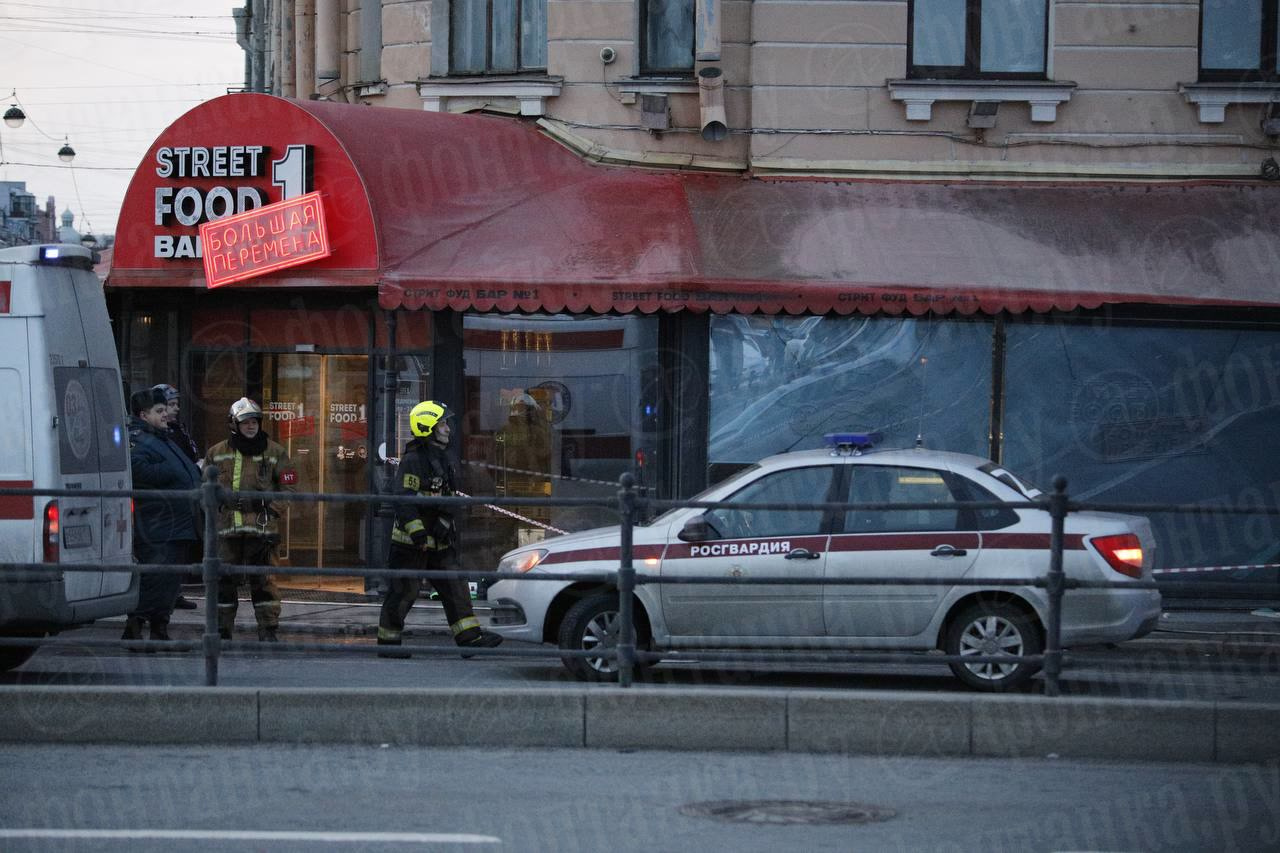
(248, 529)
(425, 537)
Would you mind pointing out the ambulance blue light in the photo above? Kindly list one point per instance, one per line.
(50, 253)
(117, 435)
(858, 440)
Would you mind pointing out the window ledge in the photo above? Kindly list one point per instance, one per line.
(529, 91)
(657, 85)
(1043, 96)
(1213, 98)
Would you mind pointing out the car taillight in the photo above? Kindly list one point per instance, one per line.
(51, 532)
(1122, 553)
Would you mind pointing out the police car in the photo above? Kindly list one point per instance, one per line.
(801, 541)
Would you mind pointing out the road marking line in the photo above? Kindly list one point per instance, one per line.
(256, 835)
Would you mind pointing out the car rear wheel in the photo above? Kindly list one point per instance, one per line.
(993, 628)
(592, 624)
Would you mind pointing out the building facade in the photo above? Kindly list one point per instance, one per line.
(1036, 231)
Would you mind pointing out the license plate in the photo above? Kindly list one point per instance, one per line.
(77, 536)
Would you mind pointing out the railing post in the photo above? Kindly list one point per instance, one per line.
(1055, 587)
(626, 582)
(209, 571)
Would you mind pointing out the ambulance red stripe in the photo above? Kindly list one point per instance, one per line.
(16, 507)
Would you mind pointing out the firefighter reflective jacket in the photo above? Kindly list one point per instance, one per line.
(269, 471)
(425, 470)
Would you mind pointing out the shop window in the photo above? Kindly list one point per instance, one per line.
(1142, 414)
(554, 407)
(666, 37)
(973, 39)
(1238, 40)
(151, 349)
(782, 383)
(497, 36)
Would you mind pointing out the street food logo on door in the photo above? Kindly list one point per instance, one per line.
(187, 201)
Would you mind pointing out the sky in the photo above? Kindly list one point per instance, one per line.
(107, 76)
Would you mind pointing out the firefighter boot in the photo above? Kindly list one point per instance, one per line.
(477, 638)
(389, 645)
(267, 635)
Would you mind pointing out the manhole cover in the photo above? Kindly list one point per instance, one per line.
(788, 811)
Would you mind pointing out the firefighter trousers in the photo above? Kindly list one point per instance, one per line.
(247, 551)
(455, 595)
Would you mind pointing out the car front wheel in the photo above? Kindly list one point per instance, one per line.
(993, 628)
(592, 625)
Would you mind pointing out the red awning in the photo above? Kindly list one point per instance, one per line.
(472, 212)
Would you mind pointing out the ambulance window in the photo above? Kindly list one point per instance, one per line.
(73, 391)
(112, 431)
(15, 463)
(798, 486)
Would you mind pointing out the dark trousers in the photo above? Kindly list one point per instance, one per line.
(247, 551)
(156, 593)
(455, 595)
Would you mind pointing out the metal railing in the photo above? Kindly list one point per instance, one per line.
(630, 505)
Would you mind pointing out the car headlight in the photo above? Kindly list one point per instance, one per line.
(523, 561)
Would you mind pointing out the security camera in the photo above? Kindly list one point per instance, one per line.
(608, 55)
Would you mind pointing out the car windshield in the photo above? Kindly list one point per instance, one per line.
(733, 478)
(1009, 479)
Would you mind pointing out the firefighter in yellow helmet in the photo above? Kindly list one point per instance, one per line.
(425, 537)
(248, 529)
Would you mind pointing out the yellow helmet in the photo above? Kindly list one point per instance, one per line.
(424, 417)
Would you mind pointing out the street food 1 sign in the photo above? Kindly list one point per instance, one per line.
(263, 240)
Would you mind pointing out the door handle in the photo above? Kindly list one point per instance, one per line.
(948, 551)
(802, 554)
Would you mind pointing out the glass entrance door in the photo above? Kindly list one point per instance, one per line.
(317, 407)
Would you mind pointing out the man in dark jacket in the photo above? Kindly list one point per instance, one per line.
(163, 529)
(425, 538)
(179, 435)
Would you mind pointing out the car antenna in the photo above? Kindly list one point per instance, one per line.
(924, 367)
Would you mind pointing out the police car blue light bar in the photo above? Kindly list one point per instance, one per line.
(859, 440)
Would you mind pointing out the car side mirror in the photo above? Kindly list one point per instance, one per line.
(697, 530)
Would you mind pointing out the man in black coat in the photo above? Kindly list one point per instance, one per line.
(178, 433)
(163, 529)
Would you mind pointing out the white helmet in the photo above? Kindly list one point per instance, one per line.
(243, 409)
(524, 400)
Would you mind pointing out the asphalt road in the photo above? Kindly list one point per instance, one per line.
(283, 798)
(1146, 669)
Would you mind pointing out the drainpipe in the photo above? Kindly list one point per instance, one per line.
(304, 47)
(327, 52)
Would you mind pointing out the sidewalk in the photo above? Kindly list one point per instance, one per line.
(360, 618)
(342, 617)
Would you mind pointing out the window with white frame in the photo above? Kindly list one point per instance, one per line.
(497, 36)
(978, 39)
(666, 37)
(1238, 40)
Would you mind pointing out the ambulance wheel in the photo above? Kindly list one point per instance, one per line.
(12, 657)
(993, 628)
(592, 624)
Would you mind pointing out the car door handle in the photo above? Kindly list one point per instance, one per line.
(802, 554)
(948, 551)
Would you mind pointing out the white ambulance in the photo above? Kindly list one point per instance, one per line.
(63, 427)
